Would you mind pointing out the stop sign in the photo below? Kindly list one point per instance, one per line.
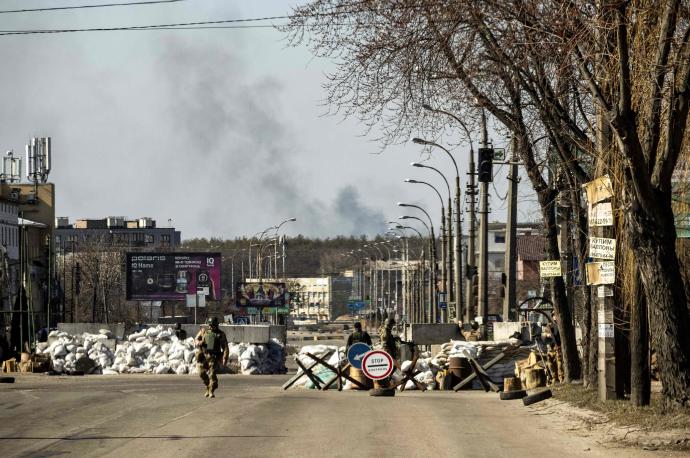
(377, 364)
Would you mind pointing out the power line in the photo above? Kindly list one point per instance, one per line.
(76, 7)
(186, 25)
(144, 27)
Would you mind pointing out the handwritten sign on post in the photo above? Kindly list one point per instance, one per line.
(602, 248)
(549, 269)
(598, 189)
(601, 214)
(601, 273)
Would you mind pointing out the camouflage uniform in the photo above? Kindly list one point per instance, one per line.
(388, 340)
(208, 360)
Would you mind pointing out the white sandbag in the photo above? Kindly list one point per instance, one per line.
(109, 372)
(162, 369)
(59, 351)
(181, 369)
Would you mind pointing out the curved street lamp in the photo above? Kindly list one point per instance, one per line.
(446, 234)
(457, 294)
(471, 261)
(432, 313)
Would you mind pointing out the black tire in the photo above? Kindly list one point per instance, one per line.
(382, 392)
(509, 395)
(76, 372)
(6, 379)
(537, 397)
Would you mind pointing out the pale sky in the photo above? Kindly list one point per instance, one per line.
(221, 131)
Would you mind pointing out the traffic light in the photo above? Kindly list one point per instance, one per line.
(486, 157)
(77, 279)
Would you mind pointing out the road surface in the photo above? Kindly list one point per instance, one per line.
(166, 415)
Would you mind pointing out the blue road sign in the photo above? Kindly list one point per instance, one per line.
(356, 305)
(355, 354)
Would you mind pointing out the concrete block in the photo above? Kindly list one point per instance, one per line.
(432, 334)
(503, 330)
(278, 332)
(118, 329)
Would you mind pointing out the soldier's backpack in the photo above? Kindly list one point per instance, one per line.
(212, 341)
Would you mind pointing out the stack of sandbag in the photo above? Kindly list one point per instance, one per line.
(427, 367)
(154, 350)
(483, 352)
(157, 350)
(259, 359)
(65, 351)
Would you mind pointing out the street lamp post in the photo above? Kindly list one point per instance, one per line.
(471, 191)
(432, 258)
(446, 238)
(379, 278)
(282, 243)
(455, 295)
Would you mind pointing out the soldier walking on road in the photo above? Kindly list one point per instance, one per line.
(358, 336)
(212, 344)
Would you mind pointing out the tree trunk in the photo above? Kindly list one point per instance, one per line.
(654, 245)
(640, 381)
(593, 342)
(588, 321)
(571, 360)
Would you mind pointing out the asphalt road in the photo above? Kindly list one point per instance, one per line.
(166, 415)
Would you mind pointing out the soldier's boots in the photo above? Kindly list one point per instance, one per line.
(211, 390)
(208, 392)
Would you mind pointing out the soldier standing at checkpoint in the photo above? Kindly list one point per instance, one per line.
(358, 336)
(212, 344)
(388, 340)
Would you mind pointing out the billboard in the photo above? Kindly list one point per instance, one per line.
(260, 294)
(171, 276)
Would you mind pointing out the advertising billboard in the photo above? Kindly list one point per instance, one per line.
(260, 294)
(171, 276)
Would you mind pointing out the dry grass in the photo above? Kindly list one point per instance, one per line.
(623, 413)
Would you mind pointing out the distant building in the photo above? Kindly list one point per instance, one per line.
(497, 244)
(27, 213)
(530, 250)
(115, 231)
(322, 298)
(9, 225)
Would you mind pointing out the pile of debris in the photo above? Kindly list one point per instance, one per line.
(156, 350)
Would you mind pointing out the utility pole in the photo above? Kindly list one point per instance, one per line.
(444, 270)
(432, 278)
(450, 294)
(485, 173)
(472, 232)
(457, 296)
(511, 236)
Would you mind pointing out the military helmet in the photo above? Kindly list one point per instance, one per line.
(390, 322)
(212, 321)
